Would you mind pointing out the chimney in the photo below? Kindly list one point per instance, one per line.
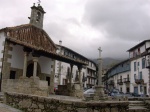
(60, 42)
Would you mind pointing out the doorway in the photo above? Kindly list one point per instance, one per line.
(145, 90)
(30, 70)
(48, 80)
(136, 90)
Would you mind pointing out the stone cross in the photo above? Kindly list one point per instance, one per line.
(100, 51)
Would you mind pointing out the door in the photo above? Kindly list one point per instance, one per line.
(48, 80)
(136, 90)
(145, 90)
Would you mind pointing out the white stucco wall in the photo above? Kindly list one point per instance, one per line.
(124, 86)
(147, 44)
(137, 72)
(17, 60)
(64, 67)
(45, 64)
(17, 57)
(2, 40)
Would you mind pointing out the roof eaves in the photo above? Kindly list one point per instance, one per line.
(143, 42)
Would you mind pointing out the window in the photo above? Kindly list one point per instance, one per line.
(134, 66)
(143, 63)
(138, 63)
(140, 75)
(12, 74)
(134, 76)
(127, 89)
(141, 89)
(139, 50)
(121, 89)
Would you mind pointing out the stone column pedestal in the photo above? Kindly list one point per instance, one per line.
(77, 91)
(99, 94)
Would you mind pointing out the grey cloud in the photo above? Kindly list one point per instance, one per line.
(57, 31)
(124, 19)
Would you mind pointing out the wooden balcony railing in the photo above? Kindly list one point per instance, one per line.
(139, 81)
(126, 80)
(120, 82)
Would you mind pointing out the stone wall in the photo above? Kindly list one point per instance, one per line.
(28, 86)
(29, 103)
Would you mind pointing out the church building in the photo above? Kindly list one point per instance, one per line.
(27, 58)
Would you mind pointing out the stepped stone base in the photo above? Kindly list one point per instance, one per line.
(77, 91)
(99, 95)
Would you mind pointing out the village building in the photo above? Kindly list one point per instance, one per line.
(62, 69)
(132, 75)
(27, 58)
(140, 75)
(118, 77)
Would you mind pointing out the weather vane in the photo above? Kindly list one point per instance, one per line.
(39, 1)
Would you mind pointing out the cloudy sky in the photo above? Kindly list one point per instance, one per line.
(86, 25)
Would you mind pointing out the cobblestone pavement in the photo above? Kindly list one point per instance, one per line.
(6, 108)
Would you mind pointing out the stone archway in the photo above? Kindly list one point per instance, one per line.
(30, 68)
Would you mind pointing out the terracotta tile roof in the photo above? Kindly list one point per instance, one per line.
(30, 36)
(37, 39)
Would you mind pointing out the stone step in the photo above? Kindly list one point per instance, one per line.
(138, 110)
(142, 107)
(135, 102)
(137, 106)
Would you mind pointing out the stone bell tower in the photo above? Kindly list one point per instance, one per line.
(37, 16)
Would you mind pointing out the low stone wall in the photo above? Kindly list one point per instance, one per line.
(27, 85)
(29, 103)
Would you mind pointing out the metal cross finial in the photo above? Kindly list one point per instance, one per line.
(100, 50)
(39, 1)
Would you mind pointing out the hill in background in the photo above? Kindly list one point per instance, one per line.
(108, 62)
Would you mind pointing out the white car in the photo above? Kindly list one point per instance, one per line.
(89, 93)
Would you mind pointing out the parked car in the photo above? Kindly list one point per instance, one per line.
(89, 92)
(143, 95)
(114, 92)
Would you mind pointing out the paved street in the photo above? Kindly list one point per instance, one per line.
(6, 108)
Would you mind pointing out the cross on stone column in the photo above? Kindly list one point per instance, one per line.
(100, 67)
(100, 51)
(99, 94)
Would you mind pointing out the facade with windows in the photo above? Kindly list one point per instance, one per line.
(62, 69)
(118, 77)
(140, 74)
(132, 75)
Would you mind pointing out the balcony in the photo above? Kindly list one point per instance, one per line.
(148, 65)
(119, 81)
(139, 81)
(126, 80)
(111, 82)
